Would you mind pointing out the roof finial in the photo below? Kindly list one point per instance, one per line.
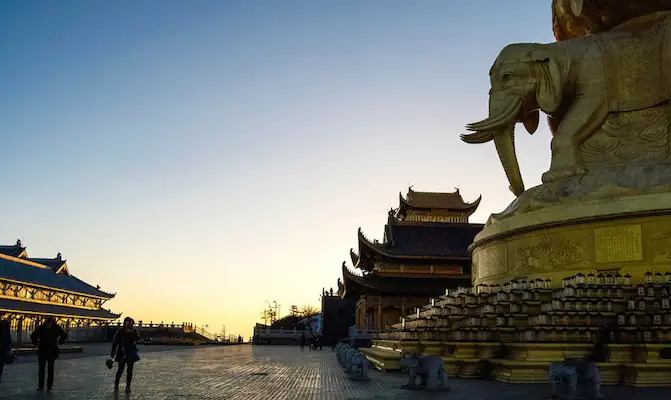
(59, 257)
(18, 242)
(457, 189)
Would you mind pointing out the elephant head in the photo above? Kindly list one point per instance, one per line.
(409, 362)
(524, 78)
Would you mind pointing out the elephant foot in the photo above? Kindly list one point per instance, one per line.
(409, 387)
(555, 174)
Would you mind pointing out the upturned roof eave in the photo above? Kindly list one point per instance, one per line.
(364, 243)
(469, 208)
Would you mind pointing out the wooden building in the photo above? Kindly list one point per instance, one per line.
(424, 251)
(33, 288)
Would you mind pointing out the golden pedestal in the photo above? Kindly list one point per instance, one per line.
(432, 347)
(406, 346)
(650, 367)
(468, 359)
(529, 362)
(384, 355)
(630, 234)
(383, 359)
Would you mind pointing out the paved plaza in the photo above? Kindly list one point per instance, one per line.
(255, 372)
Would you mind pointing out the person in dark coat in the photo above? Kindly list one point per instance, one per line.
(124, 351)
(303, 338)
(47, 337)
(5, 344)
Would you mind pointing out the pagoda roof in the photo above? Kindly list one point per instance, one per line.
(56, 264)
(15, 250)
(424, 240)
(354, 257)
(29, 272)
(19, 306)
(372, 283)
(433, 200)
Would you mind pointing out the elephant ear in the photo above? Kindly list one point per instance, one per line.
(550, 86)
(531, 121)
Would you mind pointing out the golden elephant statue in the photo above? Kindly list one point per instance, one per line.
(577, 83)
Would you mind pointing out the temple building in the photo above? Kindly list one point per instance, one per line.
(423, 252)
(34, 288)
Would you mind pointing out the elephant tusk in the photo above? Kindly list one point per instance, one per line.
(508, 113)
(505, 147)
(478, 137)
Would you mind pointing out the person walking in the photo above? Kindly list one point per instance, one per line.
(5, 344)
(47, 337)
(124, 351)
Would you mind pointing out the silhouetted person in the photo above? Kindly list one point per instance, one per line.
(47, 337)
(600, 352)
(5, 344)
(303, 338)
(124, 351)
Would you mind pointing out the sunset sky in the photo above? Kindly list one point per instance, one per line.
(200, 158)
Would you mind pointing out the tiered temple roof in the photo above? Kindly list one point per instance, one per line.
(49, 275)
(356, 284)
(427, 230)
(448, 202)
(424, 240)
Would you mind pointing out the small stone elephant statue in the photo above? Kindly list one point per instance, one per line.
(430, 368)
(340, 352)
(566, 377)
(347, 360)
(358, 369)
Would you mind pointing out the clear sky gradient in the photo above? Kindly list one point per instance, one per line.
(201, 157)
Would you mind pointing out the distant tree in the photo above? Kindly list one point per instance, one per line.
(293, 310)
(308, 311)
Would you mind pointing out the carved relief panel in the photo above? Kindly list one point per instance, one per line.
(661, 247)
(489, 262)
(547, 254)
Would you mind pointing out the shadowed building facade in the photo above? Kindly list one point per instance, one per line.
(32, 289)
(424, 251)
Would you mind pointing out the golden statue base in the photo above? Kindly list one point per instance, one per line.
(640, 365)
(630, 234)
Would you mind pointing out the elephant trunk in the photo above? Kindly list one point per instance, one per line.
(500, 127)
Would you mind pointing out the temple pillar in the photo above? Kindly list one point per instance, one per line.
(378, 323)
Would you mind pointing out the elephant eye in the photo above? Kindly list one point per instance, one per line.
(507, 77)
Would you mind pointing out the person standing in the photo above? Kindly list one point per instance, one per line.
(47, 337)
(303, 340)
(124, 351)
(5, 344)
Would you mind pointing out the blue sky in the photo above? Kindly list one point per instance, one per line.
(201, 157)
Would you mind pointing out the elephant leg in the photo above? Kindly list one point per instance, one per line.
(593, 383)
(431, 382)
(572, 381)
(585, 117)
(443, 379)
(555, 388)
(364, 369)
(411, 381)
